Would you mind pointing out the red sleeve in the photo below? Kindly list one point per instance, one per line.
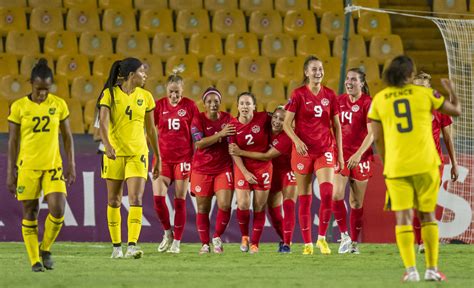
(293, 102)
(197, 129)
(445, 120)
(284, 143)
(334, 103)
(157, 112)
(367, 108)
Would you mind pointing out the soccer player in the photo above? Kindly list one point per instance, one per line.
(125, 112)
(283, 184)
(33, 149)
(173, 117)
(314, 109)
(401, 122)
(357, 139)
(441, 123)
(252, 134)
(212, 168)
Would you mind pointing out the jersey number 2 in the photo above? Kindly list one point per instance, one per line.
(402, 110)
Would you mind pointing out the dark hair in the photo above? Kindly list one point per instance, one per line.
(254, 99)
(365, 88)
(41, 70)
(279, 107)
(399, 70)
(305, 66)
(212, 90)
(120, 71)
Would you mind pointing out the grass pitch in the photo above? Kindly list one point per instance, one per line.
(88, 265)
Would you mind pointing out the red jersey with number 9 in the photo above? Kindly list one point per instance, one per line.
(174, 129)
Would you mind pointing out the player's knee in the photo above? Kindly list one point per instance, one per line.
(356, 204)
(115, 203)
(57, 211)
(243, 205)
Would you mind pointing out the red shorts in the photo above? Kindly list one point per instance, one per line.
(176, 171)
(205, 185)
(310, 163)
(263, 174)
(361, 172)
(282, 179)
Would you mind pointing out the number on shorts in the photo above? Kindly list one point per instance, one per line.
(143, 160)
(173, 124)
(229, 177)
(328, 156)
(128, 111)
(185, 167)
(38, 121)
(249, 139)
(291, 176)
(406, 113)
(54, 172)
(318, 111)
(364, 166)
(266, 178)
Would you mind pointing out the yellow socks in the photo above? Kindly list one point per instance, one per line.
(52, 226)
(29, 230)
(430, 235)
(134, 224)
(405, 240)
(114, 221)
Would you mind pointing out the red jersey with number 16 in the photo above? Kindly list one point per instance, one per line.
(174, 129)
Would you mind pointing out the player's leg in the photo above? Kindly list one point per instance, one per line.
(417, 231)
(289, 202)
(160, 189)
(260, 198)
(356, 200)
(223, 185)
(243, 216)
(136, 176)
(202, 221)
(181, 190)
(325, 177)
(339, 209)
(114, 218)
(274, 202)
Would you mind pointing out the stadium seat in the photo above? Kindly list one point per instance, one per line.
(188, 62)
(284, 6)
(332, 68)
(9, 65)
(289, 68)
(273, 104)
(115, 21)
(364, 3)
(189, 22)
(58, 43)
(227, 21)
(95, 43)
(86, 88)
(72, 66)
(21, 43)
(218, 67)
(76, 119)
(82, 19)
(265, 22)
(156, 21)
(253, 68)
(185, 4)
(115, 4)
(90, 109)
(4, 112)
(13, 87)
(239, 45)
(299, 22)
(42, 3)
(230, 89)
(153, 65)
(385, 47)
(321, 6)
(157, 86)
(132, 44)
(29, 61)
(46, 19)
(214, 5)
(267, 90)
(60, 87)
(150, 4)
(13, 18)
(194, 88)
(10, 3)
(375, 86)
(313, 44)
(356, 47)
(203, 44)
(332, 84)
(292, 86)
(92, 4)
(332, 25)
(234, 108)
(103, 63)
(249, 6)
(373, 23)
(275, 46)
(440, 7)
(168, 44)
(368, 65)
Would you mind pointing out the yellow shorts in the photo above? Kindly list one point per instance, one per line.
(418, 191)
(31, 182)
(124, 167)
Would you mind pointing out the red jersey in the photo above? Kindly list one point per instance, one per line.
(439, 122)
(354, 121)
(253, 136)
(174, 129)
(282, 143)
(214, 159)
(313, 117)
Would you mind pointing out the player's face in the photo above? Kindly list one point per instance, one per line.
(353, 83)
(314, 72)
(212, 103)
(139, 77)
(277, 120)
(422, 82)
(175, 92)
(246, 105)
(40, 89)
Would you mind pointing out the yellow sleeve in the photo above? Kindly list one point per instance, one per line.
(64, 110)
(150, 102)
(15, 113)
(436, 99)
(373, 113)
(105, 98)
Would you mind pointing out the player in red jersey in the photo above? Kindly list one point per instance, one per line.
(252, 134)
(283, 184)
(441, 123)
(314, 110)
(212, 168)
(357, 139)
(173, 117)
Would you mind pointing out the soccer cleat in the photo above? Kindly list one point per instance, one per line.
(345, 245)
(308, 249)
(218, 247)
(244, 245)
(174, 248)
(421, 248)
(48, 262)
(285, 249)
(280, 247)
(434, 275)
(412, 276)
(205, 249)
(354, 248)
(133, 252)
(166, 242)
(253, 249)
(37, 267)
(323, 246)
(117, 253)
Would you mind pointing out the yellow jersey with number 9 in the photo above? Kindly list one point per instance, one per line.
(39, 131)
(127, 120)
(406, 116)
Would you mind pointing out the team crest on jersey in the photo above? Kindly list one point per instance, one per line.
(140, 102)
(355, 108)
(325, 102)
(275, 142)
(300, 166)
(181, 112)
(52, 110)
(255, 129)
(20, 189)
(241, 183)
(223, 126)
(197, 188)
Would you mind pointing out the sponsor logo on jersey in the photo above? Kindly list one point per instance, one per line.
(255, 129)
(222, 126)
(52, 110)
(165, 112)
(140, 102)
(325, 102)
(208, 128)
(197, 188)
(20, 189)
(355, 108)
(241, 183)
(181, 112)
(300, 166)
(309, 102)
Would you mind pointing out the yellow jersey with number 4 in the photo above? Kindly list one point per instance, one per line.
(127, 120)
(406, 116)
(39, 131)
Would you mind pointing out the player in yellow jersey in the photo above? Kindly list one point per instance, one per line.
(125, 114)
(401, 117)
(33, 149)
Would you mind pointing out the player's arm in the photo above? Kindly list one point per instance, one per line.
(377, 129)
(271, 153)
(153, 140)
(368, 140)
(448, 141)
(451, 105)
(240, 164)
(13, 146)
(96, 135)
(104, 131)
(68, 141)
(300, 146)
(205, 142)
(336, 128)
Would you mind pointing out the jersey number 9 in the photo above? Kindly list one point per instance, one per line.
(402, 110)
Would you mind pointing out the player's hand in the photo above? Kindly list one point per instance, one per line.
(301, 148)
(110, 152)
(70, 176)
(156, 169)
(353, 161)
(447, 85)
(234, 150)
(11, 184)
(340, 162)
(250, 178)
(454, 173)
(228, 130)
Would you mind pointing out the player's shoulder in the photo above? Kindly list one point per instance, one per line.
(21, 102)
(143, 91)
(56, 99)
(299, 91)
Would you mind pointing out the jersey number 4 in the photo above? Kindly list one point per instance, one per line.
(402, 110)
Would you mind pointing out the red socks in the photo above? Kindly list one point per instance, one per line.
(179, 217)
(340, 214)
(243, 216)
(258, 223)
(325, 190)
(288, 221)
(356, 223)
(162, 211)
(222, 220)
(277, 220)
(202, 224)
(417, 230)
(304, 215)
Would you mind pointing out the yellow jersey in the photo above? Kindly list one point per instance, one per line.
(406, 116)
(39, 131)
(127, 120)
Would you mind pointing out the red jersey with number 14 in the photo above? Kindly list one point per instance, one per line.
(440, 121)
(283, 144)
(174, 129)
